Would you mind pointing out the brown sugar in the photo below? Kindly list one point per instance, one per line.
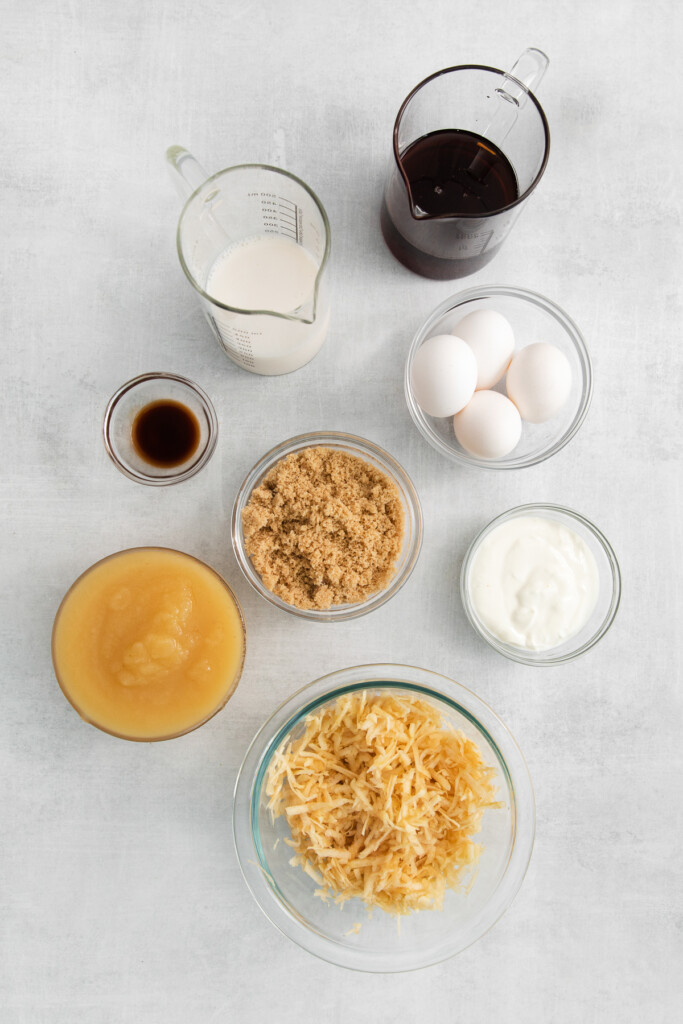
(324, 528)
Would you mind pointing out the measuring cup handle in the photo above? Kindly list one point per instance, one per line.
(524, 76)
(186, 174)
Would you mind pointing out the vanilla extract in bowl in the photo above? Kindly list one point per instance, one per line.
(160, 428)
(165, 433)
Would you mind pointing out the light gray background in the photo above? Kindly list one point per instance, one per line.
(121, 898)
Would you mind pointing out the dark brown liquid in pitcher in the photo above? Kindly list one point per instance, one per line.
(452, 174)
(165, 433)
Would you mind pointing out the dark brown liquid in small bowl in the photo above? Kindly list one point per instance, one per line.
(165, 433)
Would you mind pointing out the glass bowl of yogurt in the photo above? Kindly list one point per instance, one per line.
(541, 584)
(532, 319)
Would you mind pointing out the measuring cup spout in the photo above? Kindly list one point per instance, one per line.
(186, 173)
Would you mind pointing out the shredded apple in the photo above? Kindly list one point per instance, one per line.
(382, 801)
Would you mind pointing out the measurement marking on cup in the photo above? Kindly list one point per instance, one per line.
(289, 211)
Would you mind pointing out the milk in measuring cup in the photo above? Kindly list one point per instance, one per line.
(266, 272)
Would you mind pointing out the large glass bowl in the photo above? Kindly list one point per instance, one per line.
(71, 684)
(609, 588)
(287, 895)
(361, 449)
(533, 318)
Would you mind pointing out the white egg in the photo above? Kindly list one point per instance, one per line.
(539, 381)
(443, 375)
(491, 338)
(489, 426)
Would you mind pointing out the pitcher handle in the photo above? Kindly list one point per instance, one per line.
(516, 84)
(524, 76)
(186, 173)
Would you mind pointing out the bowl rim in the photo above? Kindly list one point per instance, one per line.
(169, 736)
(176, 474)
(525, 295)
(388, 676)
(519, 654)
(409, 498)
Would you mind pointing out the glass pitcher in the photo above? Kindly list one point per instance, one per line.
(470, 146)
(254, 243)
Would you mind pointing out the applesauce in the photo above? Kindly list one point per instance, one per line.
(148, 644)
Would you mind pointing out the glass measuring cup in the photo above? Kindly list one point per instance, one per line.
(470, 145)
(254, 243)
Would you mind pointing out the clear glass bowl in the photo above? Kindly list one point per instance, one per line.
(606, 606)
(287, 895)
(533, 318)
(66, 684)
(130, 399)
(368, 452)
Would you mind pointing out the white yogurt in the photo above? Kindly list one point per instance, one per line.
(533, 582)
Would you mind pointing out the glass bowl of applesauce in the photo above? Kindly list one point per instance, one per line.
(148, 644)
(327, 526)
(370, 762)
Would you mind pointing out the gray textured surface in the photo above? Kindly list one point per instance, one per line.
(121, 899)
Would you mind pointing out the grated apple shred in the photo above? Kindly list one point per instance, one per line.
(382, 801)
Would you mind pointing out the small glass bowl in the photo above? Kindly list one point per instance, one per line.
(609, 593)
(533, 318)
(128, 401)
(287, 895)
(361, 449)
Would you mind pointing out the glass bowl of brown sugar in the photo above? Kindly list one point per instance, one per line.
(327, 526)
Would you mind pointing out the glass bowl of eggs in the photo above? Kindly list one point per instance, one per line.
(498, 377)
